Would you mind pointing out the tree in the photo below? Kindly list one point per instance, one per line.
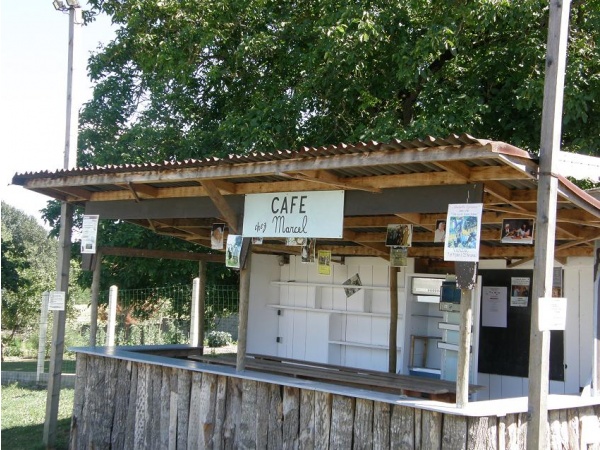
(209, 77)
(28, 268)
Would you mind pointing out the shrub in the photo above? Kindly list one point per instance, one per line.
(218, 338)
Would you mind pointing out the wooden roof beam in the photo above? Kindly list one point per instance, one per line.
(324, 177)
(222, 205)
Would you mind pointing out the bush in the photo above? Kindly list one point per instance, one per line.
(218, 338)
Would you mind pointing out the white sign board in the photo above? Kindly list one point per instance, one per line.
(56, 301)
(553, 313)
(89, 231)
(463, 227)
(315, 214)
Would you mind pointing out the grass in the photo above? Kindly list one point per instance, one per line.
(30, 365)
(23, 415)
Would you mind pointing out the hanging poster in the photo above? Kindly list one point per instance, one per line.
(517, 231)
(553, 313)
(89, 231)
(216, 236)
(234, 250)
(399, 256)
(463, 232)
(308, 251)
(519, 291)
(352, 281)
(494, 311)
(399, 235)
(324, 261)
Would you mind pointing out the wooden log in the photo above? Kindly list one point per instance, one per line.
(122, 392)
(142, 410)
(96, 434)
(78, 400)
(454, 432)
(208, 395)
(363, 425)
(402, 427)
(193, 436)
(573, 428)
(482, 433)
(262, 415)
(275, 429)
(381, 425)
(232, 414)
(291, 417)
(306, 438)
(342, 418)
(154, 405)
(165, 407)
(220, 404)
(130, 417)
(431, 435)
(323, 402)
(248, 418)
(184, 382)
(173, 402)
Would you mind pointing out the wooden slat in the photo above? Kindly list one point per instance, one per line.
(431, 424)
(454, 432)
(193, 423)
(363, 425)
(275, 428)
(381, 425)
(131, 405)
(306, 438)
(184, 381)
(220, 404)
(165, 410)
(342, 422)
(291, 417)
(402, 427)
(248, 415)
(323, 401)
(233, 409)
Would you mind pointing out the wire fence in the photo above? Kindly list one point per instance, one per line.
(153, 316)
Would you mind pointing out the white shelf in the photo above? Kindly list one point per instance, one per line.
(301, 283)
(331, 311)
(360, 344)
(448, 326)
(447, 346)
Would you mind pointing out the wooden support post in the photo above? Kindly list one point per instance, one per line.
(201, 300)
(464, 354)
(97, 264)
(112, 315)
(194, 320)
(243, 313)
(539, 341)
(393, 339)
(42, 337)
(58, 328)
(596, 323)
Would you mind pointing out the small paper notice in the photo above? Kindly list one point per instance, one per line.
(553, 313)
(56, 301)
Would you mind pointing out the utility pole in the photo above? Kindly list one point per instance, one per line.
(66, 222)
(539, 341)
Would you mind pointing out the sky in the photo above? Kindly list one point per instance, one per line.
(33, 90)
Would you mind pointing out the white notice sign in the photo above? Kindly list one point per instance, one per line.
(56, 301)
(553, 313)
(318, 214)
(89, 231)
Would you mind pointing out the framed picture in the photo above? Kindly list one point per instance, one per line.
(517, 231)
(399, 235)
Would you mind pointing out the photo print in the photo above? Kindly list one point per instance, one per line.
(399, 235)
(216, 236)
(308, 251)
(234, 250)
(517, 231)
(439, 235)
(353, 281)
(399, 256)
(324, 261)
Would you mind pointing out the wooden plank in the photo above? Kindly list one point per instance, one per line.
(122, 389)
(232, 414)
(193, 422)
(574, 437)
(243, 312)
(140, 438)
(79, 399)
(393, 335)
(248, 416)
(307, 419)
(559, 433)
(108, 401)
(173, 402)
(208, 395)
(454, 432)
(130, 418)
(87, 411)
(262, 415)
(323, 402)
(431, 425)
(184, 381)
(342, 422)
(165, 410)
(161, 254)
(418, 429)
(363, 425)
(222, 205)
(291, 417)
(154, 403)
(514, 438)
(481, 433)
(275, 428)
(381, 425)
(220, 404)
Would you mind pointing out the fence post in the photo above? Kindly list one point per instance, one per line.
(195, 319)
(112, 315)
(42, 338)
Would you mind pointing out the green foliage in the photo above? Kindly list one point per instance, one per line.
(218, 339)
(189, 79)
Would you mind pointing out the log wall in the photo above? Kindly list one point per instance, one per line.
(121, 404)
